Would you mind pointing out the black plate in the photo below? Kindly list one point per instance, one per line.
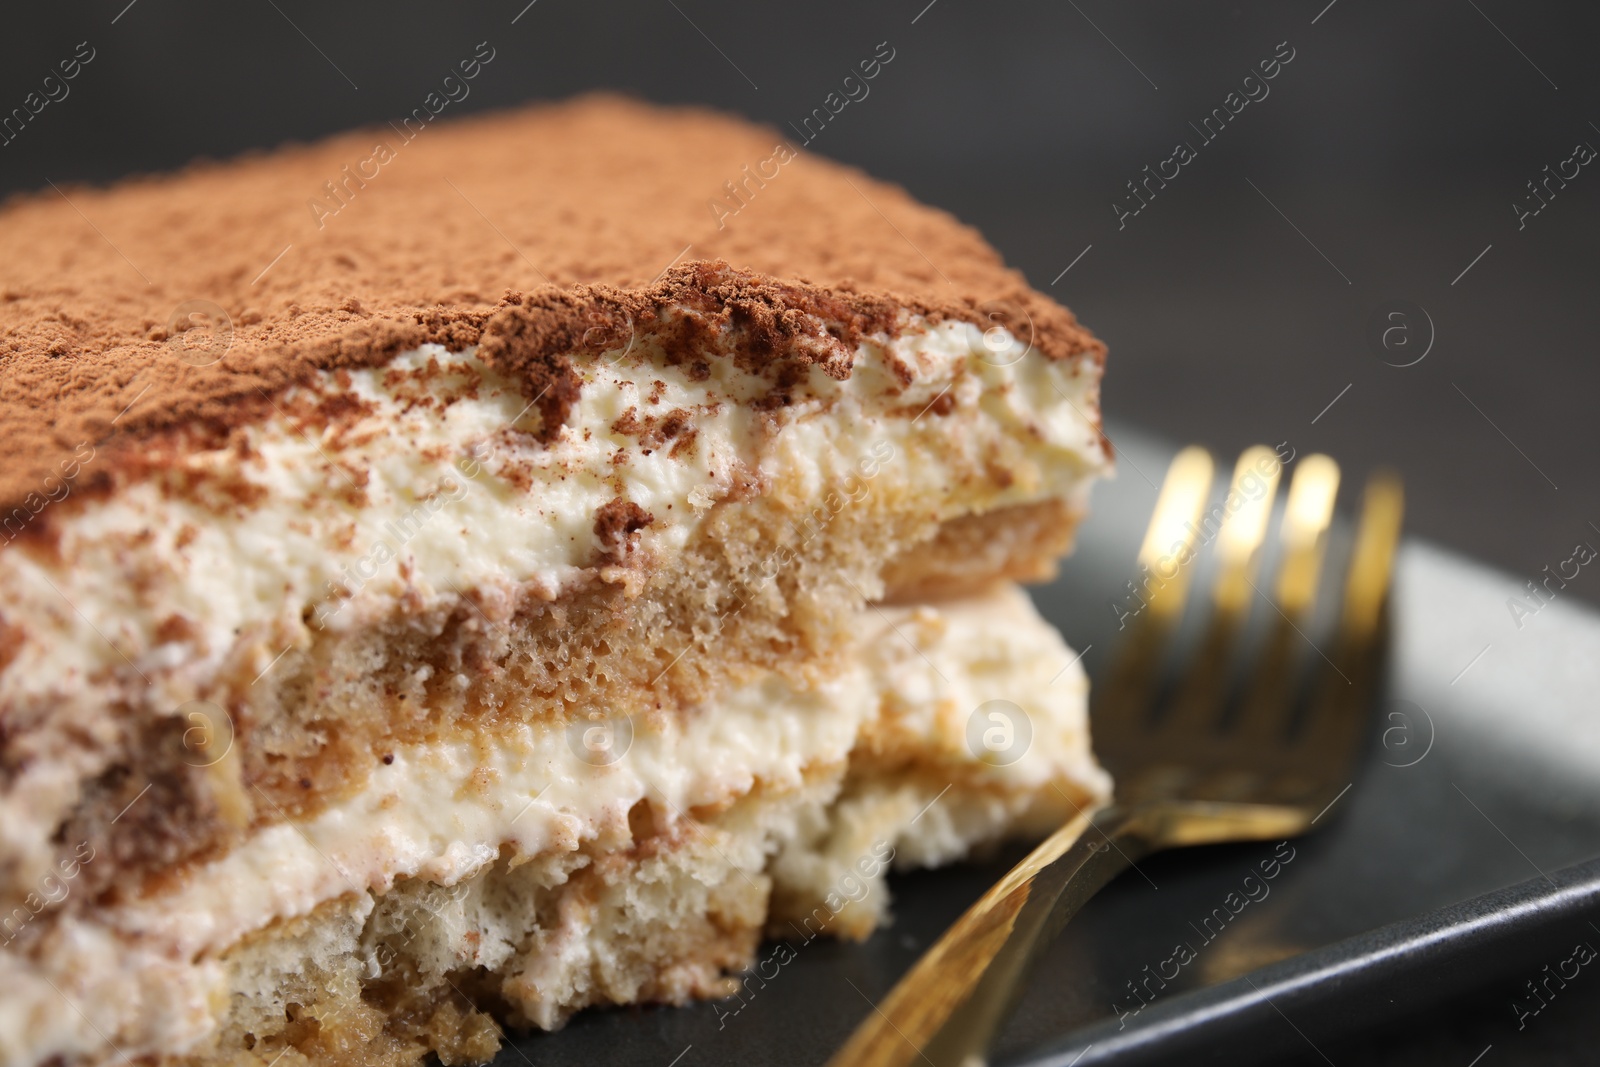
(1484, 772)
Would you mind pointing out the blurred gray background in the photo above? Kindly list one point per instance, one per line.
(1239, 304)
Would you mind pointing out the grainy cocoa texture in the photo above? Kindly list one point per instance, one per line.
(617, 522)
(556, 229)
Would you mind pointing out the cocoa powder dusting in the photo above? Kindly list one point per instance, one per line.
(615, 523)
(103, 347)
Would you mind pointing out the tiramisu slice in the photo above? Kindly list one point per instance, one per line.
(463, 590)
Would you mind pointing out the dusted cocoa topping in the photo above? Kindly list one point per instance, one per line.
(530, 348)
(547, 232)
(653, 431)
(616, 523)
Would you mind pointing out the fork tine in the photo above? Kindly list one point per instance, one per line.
(1245, 528)
(1340, 714)
(1266, 709)
(1373, 559)
(1169, 542)
(1306, 517)
(1201, 694)
(1166, 555)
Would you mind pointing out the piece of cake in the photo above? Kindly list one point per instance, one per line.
(453, 581)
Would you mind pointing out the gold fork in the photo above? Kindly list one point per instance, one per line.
(1221, 756)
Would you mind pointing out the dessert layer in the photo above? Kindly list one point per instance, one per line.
(187, 296)
(426, 476)
(792, 784)
(401, 548)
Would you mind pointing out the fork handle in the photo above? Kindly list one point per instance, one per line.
(948, 1007)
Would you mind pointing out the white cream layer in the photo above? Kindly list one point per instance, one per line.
(434, 520)
(146, 976)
